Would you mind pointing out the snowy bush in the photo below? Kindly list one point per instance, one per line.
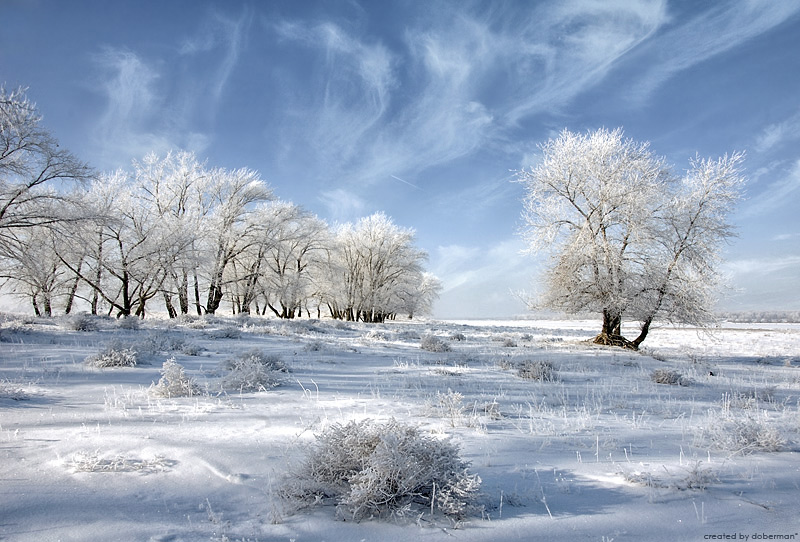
(82, 322)
(408, 335)
(115, 355)
(159, 341)
(129, 322)
(743, 433)
(669, 377)
(537, 370)
(432, 343)
(174, 382)
(227, 332)
(253, 371)
(190, 349)
(376, 469)
(12, 391)
(314, 346)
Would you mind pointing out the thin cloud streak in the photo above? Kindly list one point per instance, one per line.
(721, 28)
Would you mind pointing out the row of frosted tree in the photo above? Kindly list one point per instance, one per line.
(172, 233)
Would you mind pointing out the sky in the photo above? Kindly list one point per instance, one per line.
(426, 109)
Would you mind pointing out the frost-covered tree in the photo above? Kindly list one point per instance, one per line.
(372, 262)
(294, 260)
(232, 195)
(627, 237)
(33, 270)
(31, 165)
(176, 186)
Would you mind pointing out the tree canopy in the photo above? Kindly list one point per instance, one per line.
(627, 237)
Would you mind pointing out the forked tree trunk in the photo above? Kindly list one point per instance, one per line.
(611, 334)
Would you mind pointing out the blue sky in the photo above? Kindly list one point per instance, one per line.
(423, 109)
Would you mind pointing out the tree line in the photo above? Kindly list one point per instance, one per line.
(174, 231)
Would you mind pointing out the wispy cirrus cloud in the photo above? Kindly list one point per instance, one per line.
(487, 278)
(720, 28)
(125, 128)
(158, 105)
(351, 84)
(472, 73)
(778, 133)
(783, 191)
(223, 37)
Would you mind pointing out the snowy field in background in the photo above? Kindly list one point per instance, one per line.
(601, 452)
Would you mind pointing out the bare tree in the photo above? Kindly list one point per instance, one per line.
(374, 261)
(176, 186)
(232, 194)
(293, 251)
(30, 163)
(628, 238)
(33, 269)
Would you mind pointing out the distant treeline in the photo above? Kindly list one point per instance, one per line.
(788, 317)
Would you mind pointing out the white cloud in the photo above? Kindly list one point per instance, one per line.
(481, 281)
(762, 266)
(786, 237)
(124, 129)
(343, 205)
(720, 28)
(776, 134)
(783, 192)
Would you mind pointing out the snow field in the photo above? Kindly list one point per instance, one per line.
(598, 451)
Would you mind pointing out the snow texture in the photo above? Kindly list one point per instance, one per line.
(601, 452)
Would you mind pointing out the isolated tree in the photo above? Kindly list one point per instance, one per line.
(688, 233)
(627, 238)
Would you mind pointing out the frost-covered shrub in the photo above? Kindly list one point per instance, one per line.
(191, 349)
(115, 355)
(253, 371)
(12, 391)
(82, 322)
(314, 346)
(537, 370)
(227, 332)
(376, 335)
(373, 469)
(160, 341)
(743, 433)
(408, 335)
(670, 377)
(129, 322)
(449, 406)
(174, 382)
(432, 343)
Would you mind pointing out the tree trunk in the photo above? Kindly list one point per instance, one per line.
(170, 308)
(611, 333)
(73, 290)
(183, 292)
(643, 333)
(197, 304)
(48, 308)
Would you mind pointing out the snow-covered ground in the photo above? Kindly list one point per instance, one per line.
(600, 452)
